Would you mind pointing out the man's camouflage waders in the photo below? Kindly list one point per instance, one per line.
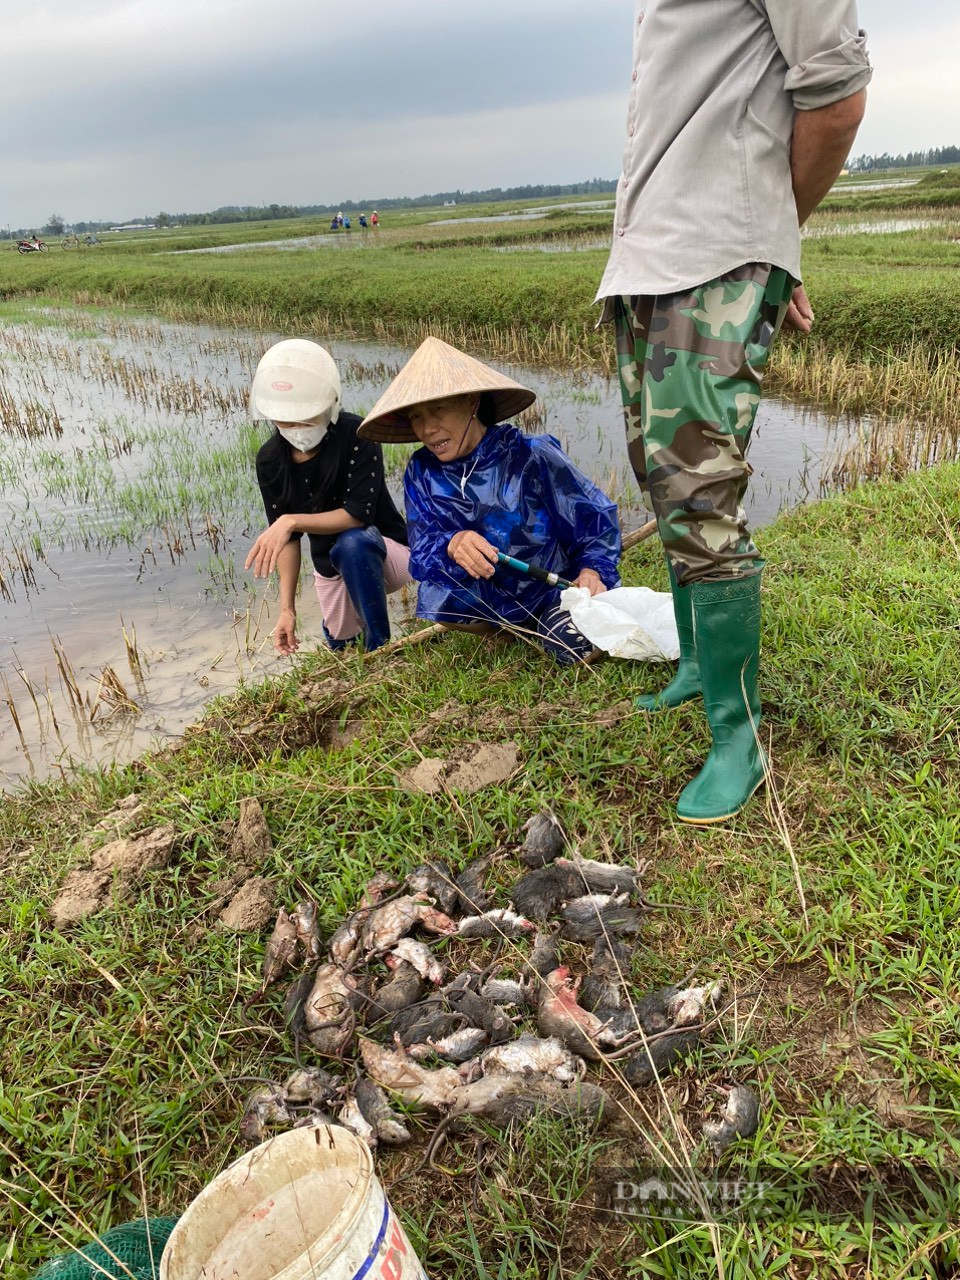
(690, 371)
(690, 368)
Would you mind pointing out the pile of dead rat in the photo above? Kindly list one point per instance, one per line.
(433, 995)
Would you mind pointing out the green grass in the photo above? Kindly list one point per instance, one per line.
(873, 293)
(931, 189)
(119, 1040)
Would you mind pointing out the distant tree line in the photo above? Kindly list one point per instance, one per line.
(270, 212)
(265, 213)
(912, 160)
(55, 225)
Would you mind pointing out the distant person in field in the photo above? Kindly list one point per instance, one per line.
(741, 115)
(346, 222)
(480, 486)
(374, 219)
(334, 224)
(319, 478)
(363, 221)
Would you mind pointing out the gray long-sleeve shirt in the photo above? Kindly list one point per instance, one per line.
(706, 183)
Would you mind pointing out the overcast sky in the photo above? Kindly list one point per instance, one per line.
(113, 109)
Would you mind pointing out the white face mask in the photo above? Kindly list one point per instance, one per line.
(302, 438)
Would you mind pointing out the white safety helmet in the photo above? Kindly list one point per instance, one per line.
(296, 381)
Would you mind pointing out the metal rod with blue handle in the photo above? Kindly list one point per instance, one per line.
(533, 571)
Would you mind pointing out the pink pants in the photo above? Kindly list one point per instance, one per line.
(339, 616)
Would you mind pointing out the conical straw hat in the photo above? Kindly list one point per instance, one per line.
(433, 371)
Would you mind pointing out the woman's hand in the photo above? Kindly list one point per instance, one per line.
(285, 633)
(473, 553)
(590, 579)
(265, 552)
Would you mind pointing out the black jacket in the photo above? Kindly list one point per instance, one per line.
(346, 471)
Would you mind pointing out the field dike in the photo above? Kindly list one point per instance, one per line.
(828, 911)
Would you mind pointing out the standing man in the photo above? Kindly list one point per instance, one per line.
(741, 115)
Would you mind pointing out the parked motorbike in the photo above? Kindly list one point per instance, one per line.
(31, 246)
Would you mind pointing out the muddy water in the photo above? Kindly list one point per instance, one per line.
(325, 240)
(875, 226)
(529, 214)
(129, 504)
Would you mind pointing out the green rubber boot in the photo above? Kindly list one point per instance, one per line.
(726, 618)
(685, 684)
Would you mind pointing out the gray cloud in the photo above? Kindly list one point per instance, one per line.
(328, 84)
(113, 108)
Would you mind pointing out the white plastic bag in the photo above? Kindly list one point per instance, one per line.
(627, 622)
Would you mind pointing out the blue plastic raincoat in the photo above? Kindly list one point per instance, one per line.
(525, 496)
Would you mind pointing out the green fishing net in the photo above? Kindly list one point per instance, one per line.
(129, 1252)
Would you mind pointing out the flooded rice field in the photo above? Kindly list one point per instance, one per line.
(129, 499)
(325, 240)
(881, 184)
(583, 243)
(528, 214)
(872, 226)
(357, 237)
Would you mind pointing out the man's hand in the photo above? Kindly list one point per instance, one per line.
(799, 313)
(285, 633)
(473, 553)
(590, 579)
(265, 552)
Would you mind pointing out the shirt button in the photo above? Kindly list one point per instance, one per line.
(634, 77)
(631, 131)
(639, 18)
(620, 231)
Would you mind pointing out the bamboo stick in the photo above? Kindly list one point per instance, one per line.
(415, 637)
(639, 535)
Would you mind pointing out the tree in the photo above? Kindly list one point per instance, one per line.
(162, 220)
(55, 225)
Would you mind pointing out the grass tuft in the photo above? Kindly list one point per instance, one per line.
(120, 1040)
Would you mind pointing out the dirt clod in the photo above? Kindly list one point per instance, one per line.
(610, 716)
(490, 763)
(250, 845)
(251, 908)
(482, 767)
(114, 871)
(120, 821)
(426, 776)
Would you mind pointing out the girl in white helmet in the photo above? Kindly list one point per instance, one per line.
(319, 478)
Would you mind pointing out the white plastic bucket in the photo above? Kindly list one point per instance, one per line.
(301, 1206)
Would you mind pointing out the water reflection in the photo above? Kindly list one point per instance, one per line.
(875, 226)
(326, 240)
(527, 214)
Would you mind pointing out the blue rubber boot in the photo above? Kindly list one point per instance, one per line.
(336, 645)
(726, 618)
(685, 684)
(358, 556)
